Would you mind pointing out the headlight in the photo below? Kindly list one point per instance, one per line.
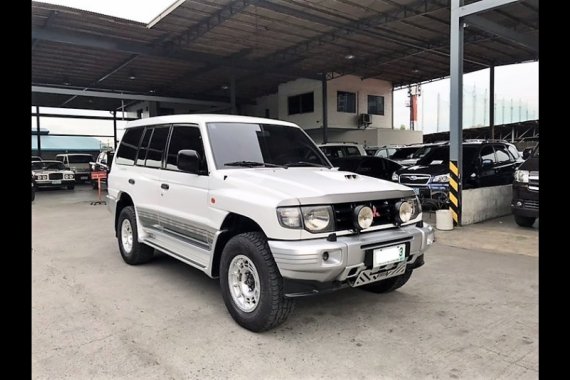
(68, 176)
(404, 211)
(289, 217)
(318, 218)
(395, 177)
(43, 177)
(441, 178)
(521, 176)
(363, 217)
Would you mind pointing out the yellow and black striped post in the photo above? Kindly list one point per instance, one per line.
(455, 192)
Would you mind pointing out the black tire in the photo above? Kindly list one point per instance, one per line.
(70, 187)
(390, 284)
(524, 221)
(140, 253)
(273, 308)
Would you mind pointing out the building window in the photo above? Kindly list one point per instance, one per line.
(303, 103)
(375, 105)
(346, 101)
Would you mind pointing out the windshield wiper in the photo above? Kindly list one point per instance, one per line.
(252, 164)
(304, 163)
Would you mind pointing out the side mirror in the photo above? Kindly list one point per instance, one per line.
(526, 153)
(188, 161)
(486, 164)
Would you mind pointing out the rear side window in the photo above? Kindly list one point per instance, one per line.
(127, 151)
(156, 147)
(513, 151)
(382, 153)
(141, 157)
(351, 151)
(502, 154)
(185, 137)
(487, 153)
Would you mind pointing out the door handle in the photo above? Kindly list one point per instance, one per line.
(165, 186)
(131, 181)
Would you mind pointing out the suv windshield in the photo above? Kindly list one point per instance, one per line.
(83, 159)
(237, 145)
(403, 153)
(440, 155)
(424, 150)
(48, 165)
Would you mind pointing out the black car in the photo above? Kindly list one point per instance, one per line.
(525, 191)
(484, 164)
(376, 167)
(410, 155)
(102, 163)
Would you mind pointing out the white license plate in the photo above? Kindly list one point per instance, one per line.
(389, 255)
(56, 182)
(84, 177)
(416, 190)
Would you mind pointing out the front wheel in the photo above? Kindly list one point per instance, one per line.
(70, 187)
(524, 221)
(132, 251)
(390, 284)
(252, 287)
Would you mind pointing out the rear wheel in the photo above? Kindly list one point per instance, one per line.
(524, 221)
(252, 286)
(390, 284)
(132, 251)
(70, 187)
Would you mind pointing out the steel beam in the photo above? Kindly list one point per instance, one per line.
(529, 42)
(66, 116)
(481, 6)
(119, 95)
(115, 130)
(492, 101)
(233, 94)
(38, 131)
(325, 107)
(456, 99)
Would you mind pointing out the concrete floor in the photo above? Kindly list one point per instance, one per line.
(468, 313)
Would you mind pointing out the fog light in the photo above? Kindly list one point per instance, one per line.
(325, 256)
(363, 217)
(519, 204)
(332, 257)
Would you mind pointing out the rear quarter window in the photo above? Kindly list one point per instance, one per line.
(127, 152)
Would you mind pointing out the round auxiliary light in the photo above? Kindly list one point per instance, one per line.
(363, 217)
(405, 211)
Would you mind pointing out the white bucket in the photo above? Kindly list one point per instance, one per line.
(443, 220)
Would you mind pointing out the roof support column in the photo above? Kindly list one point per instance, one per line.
(152, 109)
(115, 131)
(38, 131)
(456, 110)
(492, 101)
(325, 107)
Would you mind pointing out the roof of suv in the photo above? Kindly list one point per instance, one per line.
(205, 118)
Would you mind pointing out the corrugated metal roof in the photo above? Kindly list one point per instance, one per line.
(63, 143)
(194, 50)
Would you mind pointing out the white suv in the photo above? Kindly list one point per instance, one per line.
(254, 202)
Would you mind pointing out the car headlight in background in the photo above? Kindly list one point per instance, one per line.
(444, 178)
(314, 219)
(395, 177)
(318, 218)
(363, 217)
(521, 176)
(42, 177)
(68, 176)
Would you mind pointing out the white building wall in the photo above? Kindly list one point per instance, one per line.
(268, 102)
(301, 86)
(362, 88)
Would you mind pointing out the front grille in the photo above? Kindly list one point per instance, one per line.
(56, 176)
(414, 179)
(344, 213)
(533, 180)
(530, 204)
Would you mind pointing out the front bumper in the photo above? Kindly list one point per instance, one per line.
(54, 183)
(348, 256)
(525, 201)
(82, 176)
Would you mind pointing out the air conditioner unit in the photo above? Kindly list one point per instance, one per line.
(364, 120)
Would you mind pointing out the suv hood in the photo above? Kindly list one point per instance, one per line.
(406, 161)
(531, 164)
(429, 169)
(295, 186)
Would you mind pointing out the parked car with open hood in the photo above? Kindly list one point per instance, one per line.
(52, 174)
(525, 190)
(377, 167)
(256, 203)
(484, 164)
